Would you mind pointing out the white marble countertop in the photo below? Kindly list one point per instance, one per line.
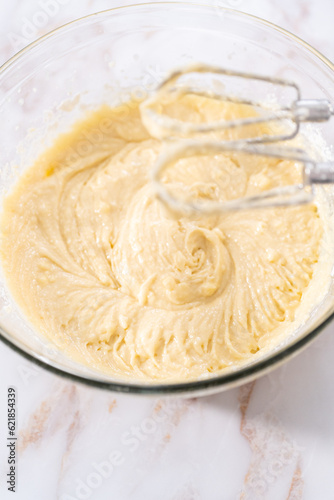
(272, 439)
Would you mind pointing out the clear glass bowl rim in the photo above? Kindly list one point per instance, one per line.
(214, 383)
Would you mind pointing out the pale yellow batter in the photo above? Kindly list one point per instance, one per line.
(105, 271)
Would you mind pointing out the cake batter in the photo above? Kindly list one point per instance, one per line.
(120, 283)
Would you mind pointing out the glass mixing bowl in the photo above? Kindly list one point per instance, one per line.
(107, 58)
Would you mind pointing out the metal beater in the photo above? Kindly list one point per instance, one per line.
(185, 139)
